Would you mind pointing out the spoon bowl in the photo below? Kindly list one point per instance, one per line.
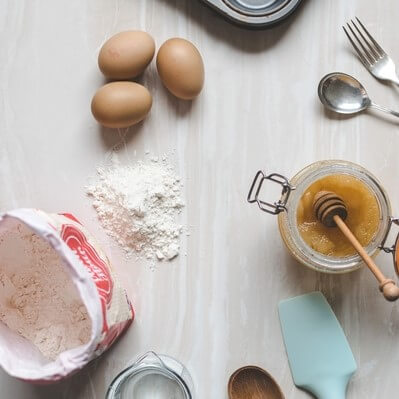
(342, 93)
(255, 383)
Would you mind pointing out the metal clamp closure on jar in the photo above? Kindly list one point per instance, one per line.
(276, 207)
(394, 249)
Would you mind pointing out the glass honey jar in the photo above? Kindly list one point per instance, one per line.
(322, 248)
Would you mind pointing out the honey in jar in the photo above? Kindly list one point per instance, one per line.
(321, 248)
(363, 215)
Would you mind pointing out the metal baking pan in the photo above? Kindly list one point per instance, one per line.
(254, 13)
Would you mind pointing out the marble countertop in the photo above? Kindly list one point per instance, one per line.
(215, 308)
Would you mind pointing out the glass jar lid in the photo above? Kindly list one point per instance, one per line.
(152, 376)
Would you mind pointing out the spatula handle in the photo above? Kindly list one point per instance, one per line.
(332, 389)
(332, 395)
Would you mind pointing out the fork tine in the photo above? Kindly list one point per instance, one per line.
(366, 53)
(372, 49)
(365, 61)
(379, 48)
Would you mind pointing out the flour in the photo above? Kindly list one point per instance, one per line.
(37, 298)
(138, 204)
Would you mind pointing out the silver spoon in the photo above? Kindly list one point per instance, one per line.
(344, 94)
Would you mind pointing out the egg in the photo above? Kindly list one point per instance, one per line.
(121, 104)
(181, 68)
(126, 54)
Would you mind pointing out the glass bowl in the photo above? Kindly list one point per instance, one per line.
(152, 376)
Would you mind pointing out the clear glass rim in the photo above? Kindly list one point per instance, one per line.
(155, 365)
(288, 224)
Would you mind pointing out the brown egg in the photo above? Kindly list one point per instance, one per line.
(126, 54)
(181, 68)
(121, 104)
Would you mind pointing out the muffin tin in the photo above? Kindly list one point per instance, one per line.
(254, 13)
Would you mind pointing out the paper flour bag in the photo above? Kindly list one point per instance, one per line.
(60, 302)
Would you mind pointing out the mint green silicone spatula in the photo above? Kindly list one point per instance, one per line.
(320, 358)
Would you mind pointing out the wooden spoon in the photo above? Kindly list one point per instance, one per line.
(252, 382)
(330, 209)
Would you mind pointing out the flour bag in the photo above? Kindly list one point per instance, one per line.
(60, 302)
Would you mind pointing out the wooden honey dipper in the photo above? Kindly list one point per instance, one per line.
(330, 209)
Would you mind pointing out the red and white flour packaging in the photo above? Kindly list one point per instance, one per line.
(108, 307)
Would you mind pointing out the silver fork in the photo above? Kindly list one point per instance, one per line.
(373, 57)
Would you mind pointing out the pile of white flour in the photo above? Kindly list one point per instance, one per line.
(37, 298)
(138, 204)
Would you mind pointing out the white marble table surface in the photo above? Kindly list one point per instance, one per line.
(214, 309)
